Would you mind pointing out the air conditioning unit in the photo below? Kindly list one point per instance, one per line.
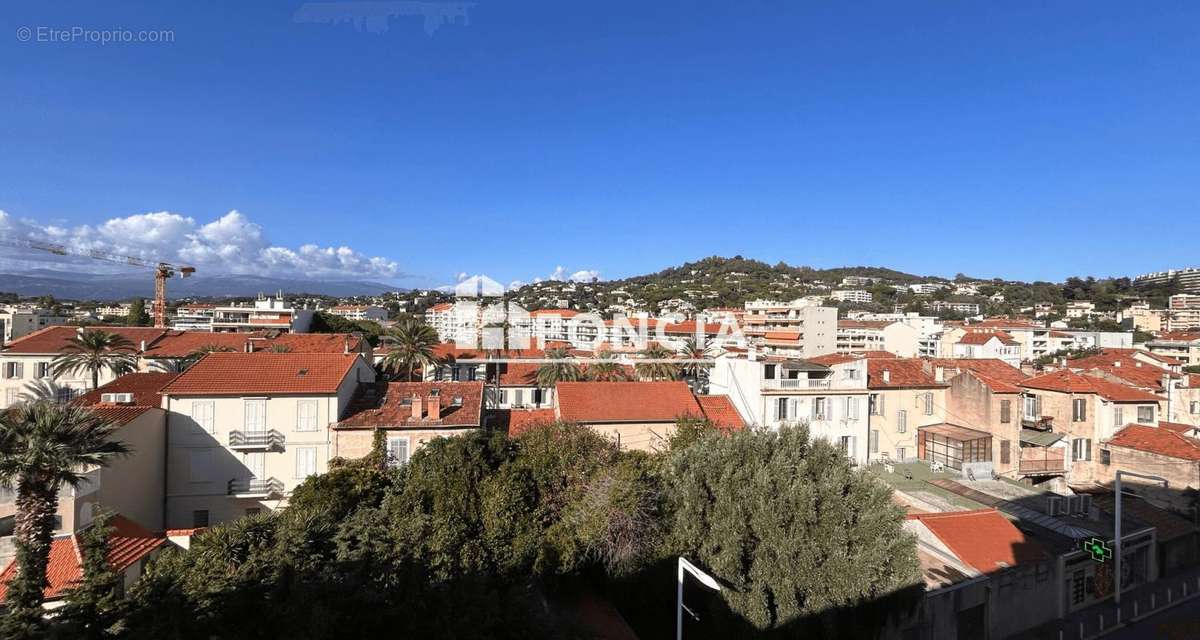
(1054, 505)
(117, 398)
(1085, 504)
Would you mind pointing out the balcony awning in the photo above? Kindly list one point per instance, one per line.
(954, 432)
(1039, 438)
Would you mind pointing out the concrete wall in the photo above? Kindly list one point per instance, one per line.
(973, 404)
(912, 403)
(356, 443)
(11, 388)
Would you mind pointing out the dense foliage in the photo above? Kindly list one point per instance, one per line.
(482, 536)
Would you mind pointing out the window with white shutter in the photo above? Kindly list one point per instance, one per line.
(306, 415)
(397, 450)
(901, 421)
(929, 403)
(256, 414)
(1119, 417)
(202, 413)
(306, 462)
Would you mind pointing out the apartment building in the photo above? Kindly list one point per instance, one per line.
(193, 317)
(266, 313)
(1142, 318)
(28, 360)
(1187, 279)
(410, 414)
(926, 288)
(988, 344)
(1183, 346)
(1148, 372)
(1087, 411)
(1166, 449)
(17, 322)
(852, 295)
(1035, 340)
(244, 429)
(905, 394)
(1183, 312)
(795, 329)
(829, 393)
(1080, 309)
(167, 351)
(441, 318)
(360, 312)
(965, 308)
(929, 332)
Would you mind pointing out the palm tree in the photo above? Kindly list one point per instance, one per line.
(608, 369)
(658, 368)
(42, 389)
(95, 350)
(44, 445)
(696, 366)
(411, 344)
(558, 368)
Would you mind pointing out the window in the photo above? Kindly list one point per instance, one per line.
(12, 396)
(454, 374)
(901, 421)
(1078, 410)
(202, 413)
(1146, 414)
(504, 396)
(397, 450)
(781, 405)
(200, 465)
(874, 442)
(847, 444)
(471, 374)
(43, 369)
(875, 404)
(1033, 408)
(1119, 416)
(518, 397)
(537, 397)
(306, 461)
(306, 415)
(1081, 449)
(1005, 411)
(200, 518)
(1005, 455)
(256, 414)
(1194, 408)
(769, 372)
(901, 454)
(1105, 457)
(820, 408)
(64, 394)
(13, 370)
(851, 408)
(256, 462)
(928, 403)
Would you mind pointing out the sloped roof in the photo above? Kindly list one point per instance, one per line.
(983, 337)
(1067, 381)
(1164, 442)
(127, 543)
(52, 339)
(1126, 367)
(903, 373)
(143, 386)
(830, 359)
(998, 375)
(721, 413)
(588, 402)
(180, 344)
(983, 539)
(247, 374)
(388, 404)
(518, 421)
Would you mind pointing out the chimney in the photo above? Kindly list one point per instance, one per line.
(249, 347)
(143, 346)
(434, 407)
(346, 345)
(887, 375)
(939, 374)
(416, 407)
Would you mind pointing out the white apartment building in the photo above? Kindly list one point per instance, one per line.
(16, 322)
(1188, 279)
(798, 328)
(266, 313)
(119, 310)
(852, 295)
(360, 312)
(989, 344)
(244, 429)
(858, 281)
(926, 288)
(966, 308)
(1183, 312)
(771, 391)
(194, 317)
(1080, 309)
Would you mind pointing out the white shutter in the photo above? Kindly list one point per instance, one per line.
(257, 464)
(256, 410)
(306, 461)
(793, 409)
(306, 415)
(202, 413)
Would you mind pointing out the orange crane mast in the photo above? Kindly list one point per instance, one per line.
(162, 270)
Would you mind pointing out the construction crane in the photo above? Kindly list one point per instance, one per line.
(162, 270)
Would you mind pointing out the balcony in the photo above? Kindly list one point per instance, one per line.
(796, 384)
(255, 440)
(1041, 463)
(255, 488)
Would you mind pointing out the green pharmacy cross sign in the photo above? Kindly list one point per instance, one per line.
(1096, 547)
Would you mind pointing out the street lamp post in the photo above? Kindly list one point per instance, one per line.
(704, 579)
(1117, 578)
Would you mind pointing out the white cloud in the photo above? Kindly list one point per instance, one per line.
(229, 244)
(585, 275)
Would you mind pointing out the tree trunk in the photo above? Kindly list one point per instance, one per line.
(95, 377)
(36, 505)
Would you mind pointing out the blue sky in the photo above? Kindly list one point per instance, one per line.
(1027, 140)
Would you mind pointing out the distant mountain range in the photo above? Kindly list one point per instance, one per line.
(87, 286)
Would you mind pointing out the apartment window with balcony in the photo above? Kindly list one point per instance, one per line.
(1078, 410)
(1146, 414)
(306, 462)
(875, 404)
(306, 415)
(43, 369)
(256, 414)
(901, 421)
(397, 450)
(1081, 449)
(202, 413)
(14, 370)
(769, 372)
(1005, 411)
(928, 403)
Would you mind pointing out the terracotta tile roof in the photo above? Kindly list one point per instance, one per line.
(863, 324)
(998, 375)
(1178, 427)
(1164, 442)
(518, 421)
(128, 543)
(561, 313)
(789, 336)
(1178, 336)
(442, 306)
(180, 344)
(878, 353)
(903, 373)
(143, 386)
(688, 327)
(982, 337)
(247, 374)
(389, 404)
(721, 413)
(983, 539)
(518, 374)
(589, 402)
(1193, 381)
(1126, 367)
(1067, 381)
(1167, 526)
(835, 358)
(120, 413)
(52, 339)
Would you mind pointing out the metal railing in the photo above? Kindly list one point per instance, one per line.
(264, 486)
(797, 383)
(1041, 464)
(256, 439)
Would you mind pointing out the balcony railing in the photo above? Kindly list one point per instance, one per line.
(255, 487)
(255, 439)
(796, 383)
(1044, 463)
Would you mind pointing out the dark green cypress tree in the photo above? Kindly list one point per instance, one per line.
(95, 607)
